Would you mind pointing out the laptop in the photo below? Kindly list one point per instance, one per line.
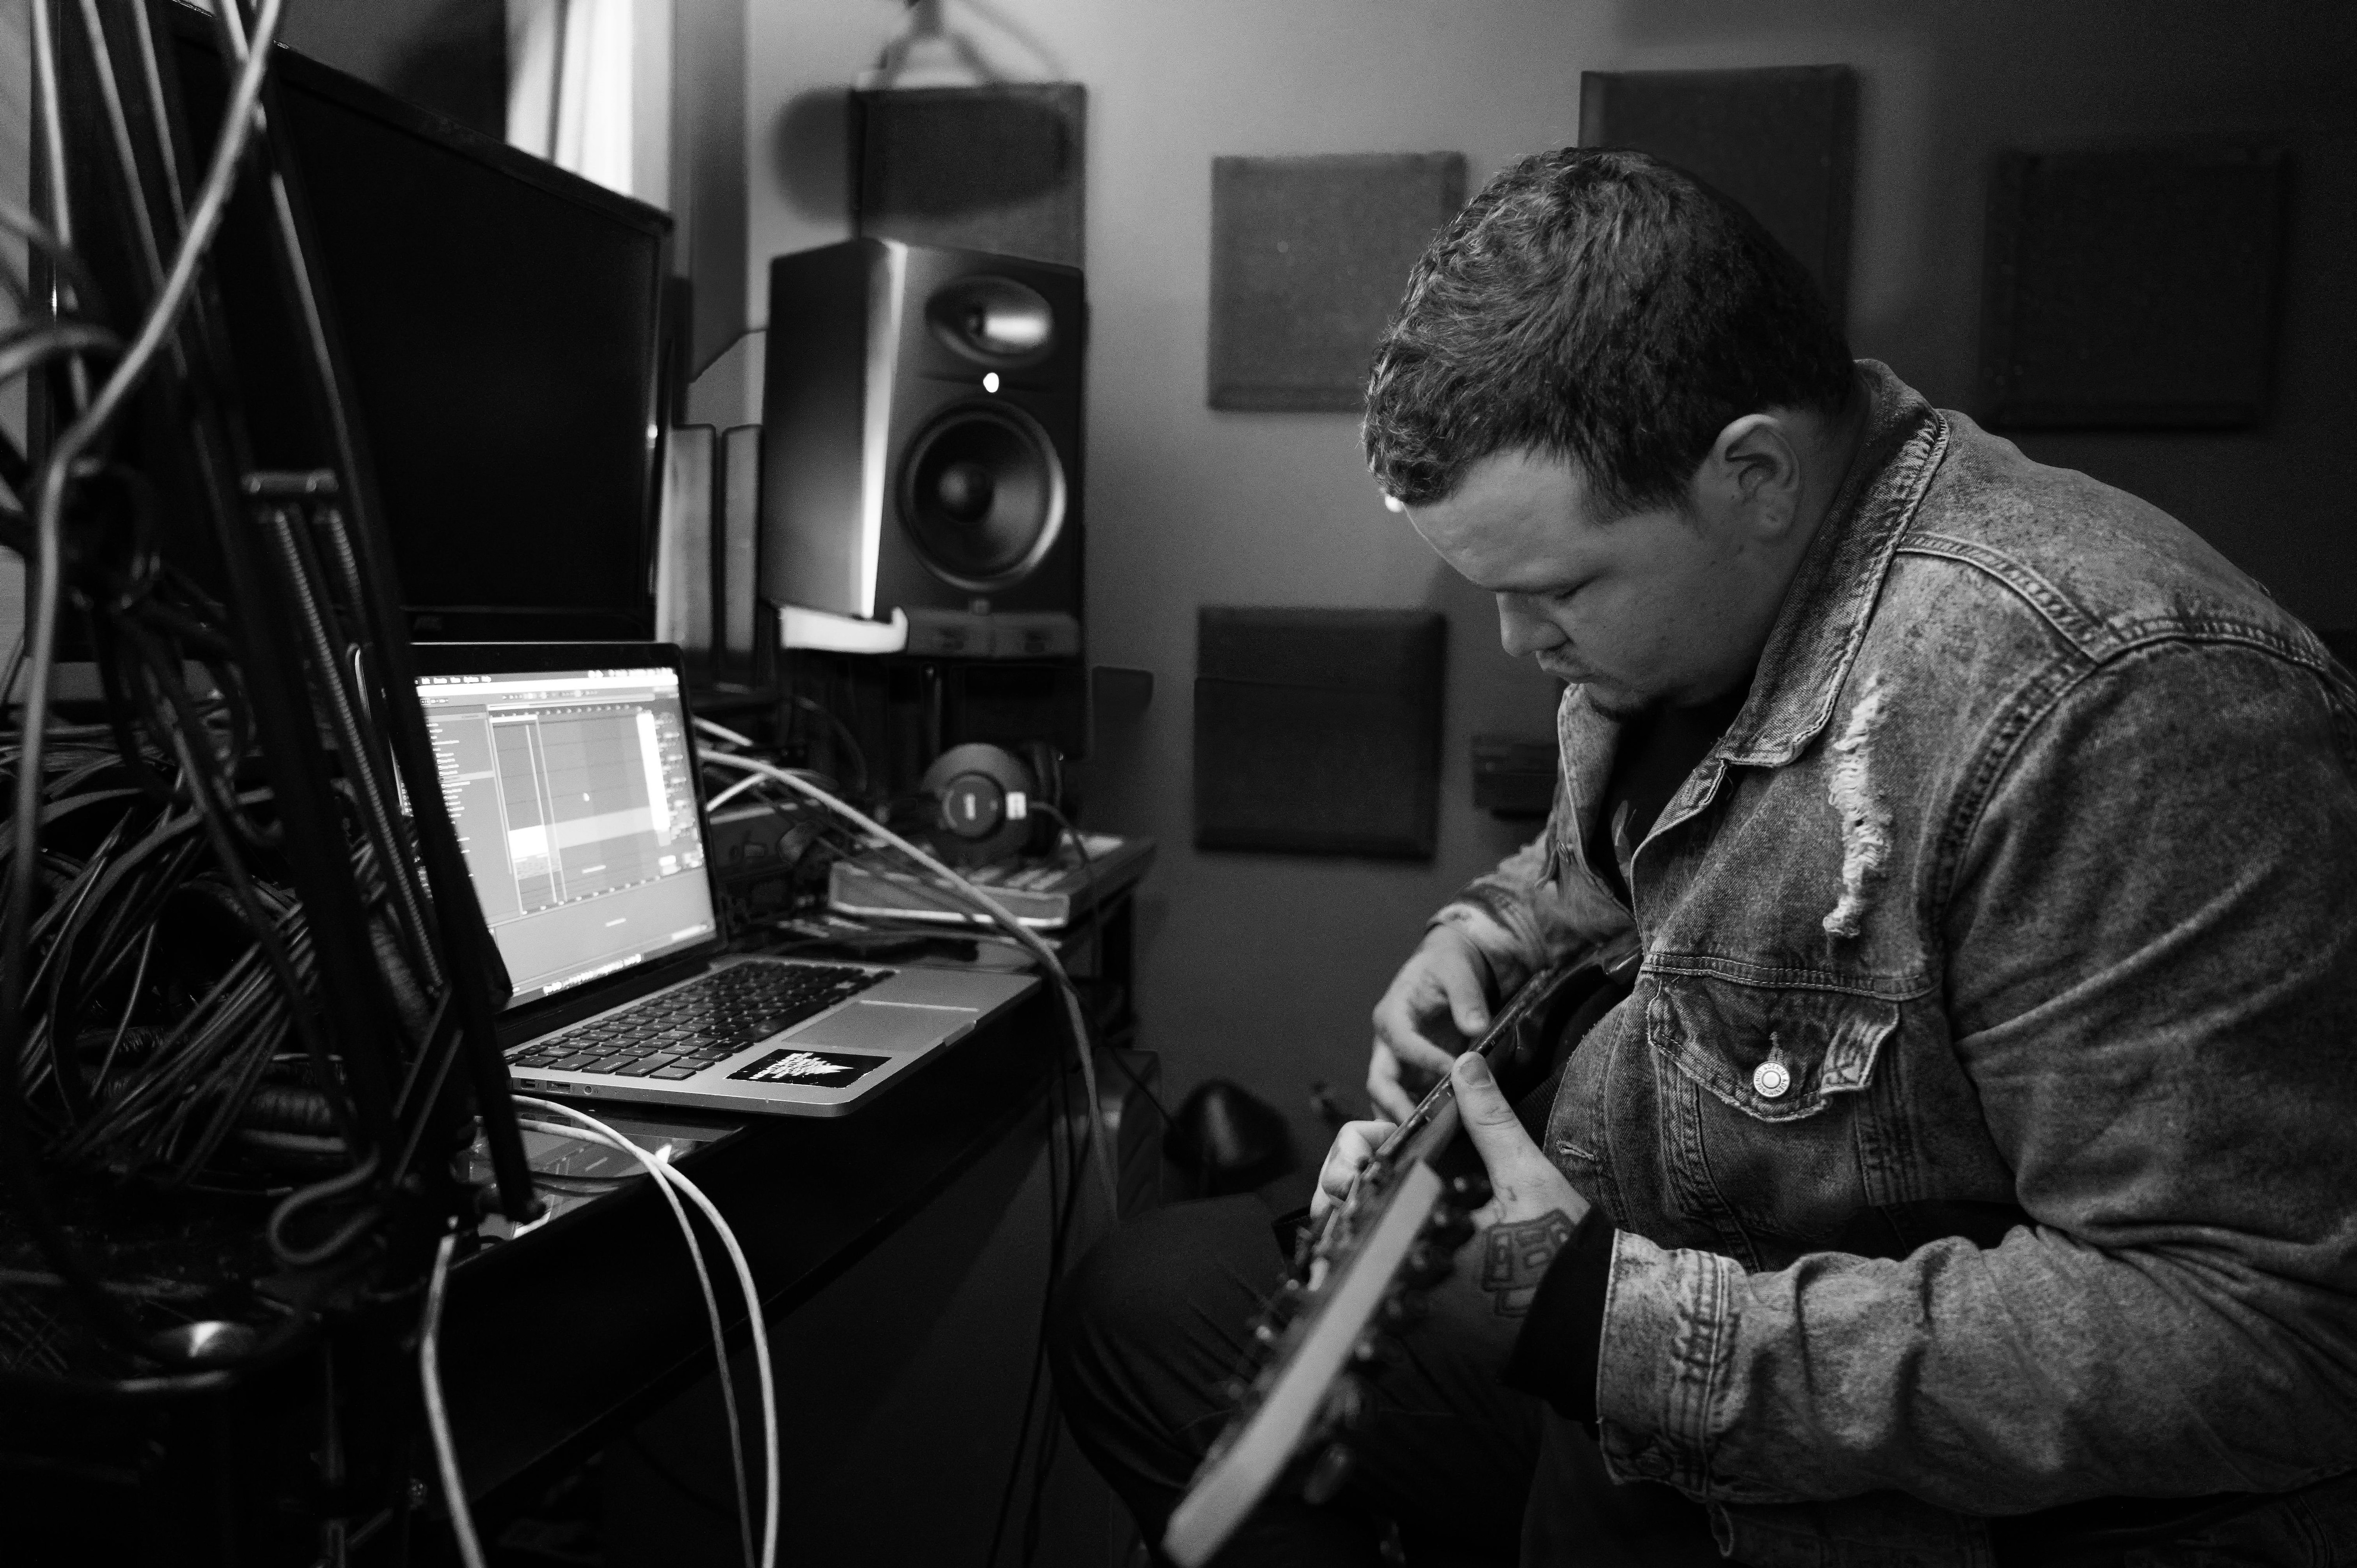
(569, 773)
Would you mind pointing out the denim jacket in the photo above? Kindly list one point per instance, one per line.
(2027, 874)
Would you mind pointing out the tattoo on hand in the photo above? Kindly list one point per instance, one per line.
(1515, 1258)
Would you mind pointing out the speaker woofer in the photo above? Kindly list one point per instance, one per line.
(993, 321)
(981, 496)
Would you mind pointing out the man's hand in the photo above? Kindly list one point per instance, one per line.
(1531, 1217)
(1436, 1005)
(1354, 1145)
(1526, 1192)
(1524, 1184)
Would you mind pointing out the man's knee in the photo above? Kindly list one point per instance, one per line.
(1175, 1276)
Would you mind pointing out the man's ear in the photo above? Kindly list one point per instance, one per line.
(1755, 472)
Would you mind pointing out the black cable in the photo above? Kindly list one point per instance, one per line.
(850, 741)
(63, 468)
(1064, 1199)
(676, 1481)
(1097, 917)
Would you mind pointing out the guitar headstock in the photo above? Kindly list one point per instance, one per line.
(1359, 1281)
(1321, 1459)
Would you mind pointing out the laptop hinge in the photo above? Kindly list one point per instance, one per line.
(554, 1013)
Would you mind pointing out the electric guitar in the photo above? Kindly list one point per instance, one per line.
(1397, 1230)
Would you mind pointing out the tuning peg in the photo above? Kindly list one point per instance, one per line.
(1470, 1192)
(1426, 1264)
(1447, 1228)
(1327, 1475)
(1346, 1406)
(1374, 1348)
(1406, 1309)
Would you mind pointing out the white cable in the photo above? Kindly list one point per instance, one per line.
(1100, 1130)
(748, 782)
(661, 1170)
(437, 1418)
(711, 1315)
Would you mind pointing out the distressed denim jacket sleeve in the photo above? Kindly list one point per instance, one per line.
(2154, 1000)
(1541, 905)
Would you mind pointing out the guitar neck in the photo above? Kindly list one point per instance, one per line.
(1433, 1125)
(1351, 1268)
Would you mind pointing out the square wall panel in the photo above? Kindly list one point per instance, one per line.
(1310, 258)
(2132, 288)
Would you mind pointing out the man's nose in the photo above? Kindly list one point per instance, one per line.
(1522, 629)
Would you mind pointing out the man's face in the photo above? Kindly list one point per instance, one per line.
(1662, 607)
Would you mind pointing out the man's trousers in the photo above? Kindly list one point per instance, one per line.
(1156, 1321)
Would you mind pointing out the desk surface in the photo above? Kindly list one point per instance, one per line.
(557, 1341)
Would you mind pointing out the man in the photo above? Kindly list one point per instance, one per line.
(1971, 1174)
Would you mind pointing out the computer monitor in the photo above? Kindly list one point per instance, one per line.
(503, 321)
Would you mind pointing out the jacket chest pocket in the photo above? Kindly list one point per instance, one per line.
(1763, 1108)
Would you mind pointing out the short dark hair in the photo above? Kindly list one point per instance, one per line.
(1599, 307)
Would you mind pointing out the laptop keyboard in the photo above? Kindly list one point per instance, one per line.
(680, 1033)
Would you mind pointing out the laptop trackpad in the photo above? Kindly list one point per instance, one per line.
(883, 1026)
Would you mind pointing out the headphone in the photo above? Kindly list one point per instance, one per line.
(983, 797)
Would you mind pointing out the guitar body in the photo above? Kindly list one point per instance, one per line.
(1399, 1229)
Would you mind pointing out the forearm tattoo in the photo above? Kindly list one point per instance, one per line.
(1515, 1258)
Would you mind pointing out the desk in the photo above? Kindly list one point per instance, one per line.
(559, 1344)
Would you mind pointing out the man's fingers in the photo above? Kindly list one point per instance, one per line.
(1467, 1006)
(1354, 1146)
(1401, 1022)
(1384, 1084)
(1489, 1120)
(1419, 1052)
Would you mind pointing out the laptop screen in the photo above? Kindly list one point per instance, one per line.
(574, 802)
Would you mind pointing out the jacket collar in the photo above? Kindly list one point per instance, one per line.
(1816, 634)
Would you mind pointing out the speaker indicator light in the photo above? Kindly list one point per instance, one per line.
(990, 380)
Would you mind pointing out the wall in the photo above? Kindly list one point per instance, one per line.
(1263, 968)
(450, 55)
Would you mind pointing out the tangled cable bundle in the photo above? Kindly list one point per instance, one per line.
(223, 968)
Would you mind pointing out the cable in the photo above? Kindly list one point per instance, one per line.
(661, 1170)
(343, 1236)
(843, 732)
(45, 592)
(1062, 1203)
(1101, 1132)
(711, 1312)
(750, 781)
(438, 1416)
(1096, 928)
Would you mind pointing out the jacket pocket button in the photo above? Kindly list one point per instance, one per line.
(1771, 1079)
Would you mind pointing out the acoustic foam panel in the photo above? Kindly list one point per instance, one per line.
(1319, 730)
(1780, 140)
(2131, 288)
(977, 169)
(1309, 256)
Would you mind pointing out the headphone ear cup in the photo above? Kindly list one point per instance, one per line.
(973, 789)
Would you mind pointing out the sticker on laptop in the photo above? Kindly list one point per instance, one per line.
(812, 1069)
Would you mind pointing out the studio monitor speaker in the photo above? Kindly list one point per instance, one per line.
(921, 449)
